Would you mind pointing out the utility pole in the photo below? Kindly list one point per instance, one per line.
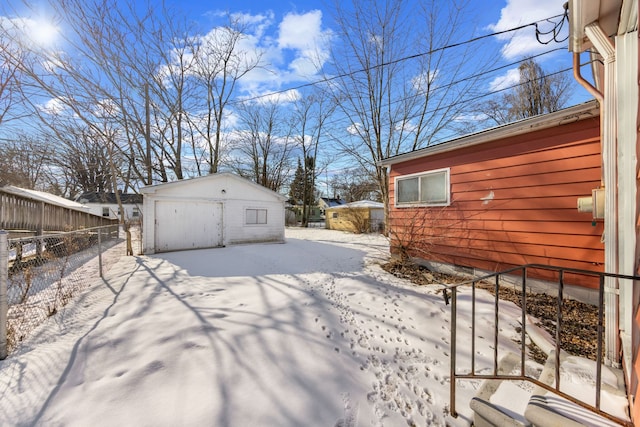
(147, 134)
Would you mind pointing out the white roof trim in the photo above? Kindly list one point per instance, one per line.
(42, 196)
(544, 121)
(359, 204)
(151, 189)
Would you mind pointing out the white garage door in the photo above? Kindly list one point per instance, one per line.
(187, 225)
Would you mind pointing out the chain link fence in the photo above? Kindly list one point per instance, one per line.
(40, 275)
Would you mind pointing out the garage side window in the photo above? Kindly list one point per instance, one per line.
(255, 216)
(426, 189)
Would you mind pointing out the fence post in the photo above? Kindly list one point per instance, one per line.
(100, 250)
(4, 303)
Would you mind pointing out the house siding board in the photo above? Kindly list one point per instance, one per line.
(635, 371)
(96, 209)
(525, 147)
(514, 201)
(354, 212)
(634, 387)
(344, 220)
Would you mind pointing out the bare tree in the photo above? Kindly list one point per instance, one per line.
(355, 184)
(11, 94)
(174, 88)
(80, 78)
(9, 82)
(23, 161)
(263, 153)
(537, 93)
(309, 118)
(220, 64)
(395, 80)
(86, 159)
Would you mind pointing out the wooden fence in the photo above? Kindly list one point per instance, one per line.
(21, 215)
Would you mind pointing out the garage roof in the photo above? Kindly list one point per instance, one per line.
(150, 189)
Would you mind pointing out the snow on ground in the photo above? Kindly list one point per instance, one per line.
(307, 333)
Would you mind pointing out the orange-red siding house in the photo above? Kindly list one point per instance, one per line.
(503, 197)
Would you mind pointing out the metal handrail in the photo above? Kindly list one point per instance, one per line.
(453, 289)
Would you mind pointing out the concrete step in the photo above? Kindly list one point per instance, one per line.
(577, 379)
(502, 403)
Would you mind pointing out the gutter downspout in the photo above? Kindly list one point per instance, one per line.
(609, 156)
(596, 94)
(588, 86)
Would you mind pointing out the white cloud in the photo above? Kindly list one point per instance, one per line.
(257, 24)
(106, 109)
(406, 127)
(511, 78)
(299, 31)
(291, 95)
(423, 83)
(523, 42)
(53, 106)
(355, 129)
(303, 34)
(470, 118)
(33, 33)
(289, 52)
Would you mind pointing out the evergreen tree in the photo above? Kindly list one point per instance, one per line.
(296, 191)
(309, 188)
(302, 191)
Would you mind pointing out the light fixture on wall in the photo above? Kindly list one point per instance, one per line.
(224, 191)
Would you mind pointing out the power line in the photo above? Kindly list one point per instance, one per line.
(471, 77)
(414, 56)
(477, 98)
(557, 28)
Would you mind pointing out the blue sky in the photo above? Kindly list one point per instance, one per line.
(286, 27)
(292, 33)
(293, 36)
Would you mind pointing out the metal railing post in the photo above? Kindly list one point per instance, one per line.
(452, 375)
(4, 303)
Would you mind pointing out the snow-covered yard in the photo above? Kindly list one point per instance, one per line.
(307, 333)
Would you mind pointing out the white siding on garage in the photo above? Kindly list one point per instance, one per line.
(211, 211)
(242, 231)
(183, 225)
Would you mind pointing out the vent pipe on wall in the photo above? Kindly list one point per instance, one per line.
(593, 203)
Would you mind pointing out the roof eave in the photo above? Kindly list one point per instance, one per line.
(544, 121)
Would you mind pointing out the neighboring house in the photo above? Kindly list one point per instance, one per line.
(330, 202)
(211, 211)
(503, 197)
(512, 195)
(316, 214)
(361, 216)
(609, 31)
(106, 204)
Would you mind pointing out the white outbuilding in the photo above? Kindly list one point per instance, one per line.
(210, 211)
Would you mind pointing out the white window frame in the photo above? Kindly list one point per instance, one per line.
(255, 216)
(447, 184)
